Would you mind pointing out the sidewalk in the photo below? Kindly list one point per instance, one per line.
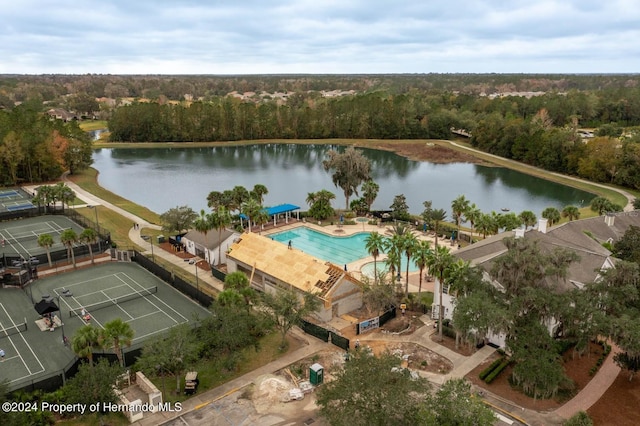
(136, 237)
(200, 400)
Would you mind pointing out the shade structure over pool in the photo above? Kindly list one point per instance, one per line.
(276, 210)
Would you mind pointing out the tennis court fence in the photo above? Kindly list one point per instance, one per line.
(9, 331)
(111, 302)
(174, 281)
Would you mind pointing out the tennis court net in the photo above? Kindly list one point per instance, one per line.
(5, 332)
(111, 302)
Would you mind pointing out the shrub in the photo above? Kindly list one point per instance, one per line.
(484, 373)
(497, 371)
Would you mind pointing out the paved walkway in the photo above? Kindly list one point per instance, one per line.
(462, 365)
(630, 198)
(200, 400)
(597, 386)
(135, 235)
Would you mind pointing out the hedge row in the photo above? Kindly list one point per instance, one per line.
(497, 371)
(484, 373)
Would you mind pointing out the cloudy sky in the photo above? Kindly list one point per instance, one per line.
(319, 36)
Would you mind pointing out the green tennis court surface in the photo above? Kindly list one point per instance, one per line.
(21, 236)
(114, 290)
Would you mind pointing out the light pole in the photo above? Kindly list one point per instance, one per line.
(197, 285)
(95, 208)
(150, 237)
(65, 293)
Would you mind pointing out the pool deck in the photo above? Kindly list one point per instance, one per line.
(355, 266)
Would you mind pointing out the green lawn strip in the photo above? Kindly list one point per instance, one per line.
(87, 180)
(612, 195)
(211, 372)
(88, 126)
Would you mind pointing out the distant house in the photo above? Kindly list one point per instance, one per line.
(62, 114)
(272, 266)
(208, 247)
(584, 237)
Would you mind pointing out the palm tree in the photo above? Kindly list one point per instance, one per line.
(68, 237)
(370, 191)
(374, 244)
(396, 241)
(220, 219)
(258, 192)
(437, 216)
(410, 244)
(439, 261)
(88, 237)
(65, 194)
(115, 334)
(392, 260)
(215, 199)
(204, 224)
(528, 218)
(552, 215)
(471, 215)
(420, 256)
(251, 209)
(84, 341)
(240, 195)
(571, 212)
(458, 207)
(46, 241)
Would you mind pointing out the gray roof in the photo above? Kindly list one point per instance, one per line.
(213, 240)
(584, 237)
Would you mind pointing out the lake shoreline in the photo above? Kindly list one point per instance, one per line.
(424, 150)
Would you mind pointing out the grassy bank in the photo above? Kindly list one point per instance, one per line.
(88, 180)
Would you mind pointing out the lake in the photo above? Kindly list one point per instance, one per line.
(162, 178)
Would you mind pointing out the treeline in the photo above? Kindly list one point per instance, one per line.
(541, 131)
(56, 89)
(34, 148)
(414, 115)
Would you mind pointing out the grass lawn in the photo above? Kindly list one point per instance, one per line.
(212, 372)
(88, 180)
(88, 126)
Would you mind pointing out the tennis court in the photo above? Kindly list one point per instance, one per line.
(109, 291)
(21, 236)
(21, 362)
(12, 200)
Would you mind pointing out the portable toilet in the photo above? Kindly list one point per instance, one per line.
(316, 371)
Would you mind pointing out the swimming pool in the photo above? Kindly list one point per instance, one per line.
(337, 250)
(367, 268)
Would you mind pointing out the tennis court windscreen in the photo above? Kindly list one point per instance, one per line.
(13, 330)
(112, 302)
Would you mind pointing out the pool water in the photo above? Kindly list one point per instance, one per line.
(337, 250)
(367, 268)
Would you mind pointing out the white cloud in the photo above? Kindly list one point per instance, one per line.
(326, 36)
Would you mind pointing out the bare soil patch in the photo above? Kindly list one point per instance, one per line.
(415, 357)
(619, 404)
(427, 151)
(576, 368)
(450, 343)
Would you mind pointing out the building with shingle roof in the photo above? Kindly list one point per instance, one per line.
(271, 265)
(208, 245)
(584, 237)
